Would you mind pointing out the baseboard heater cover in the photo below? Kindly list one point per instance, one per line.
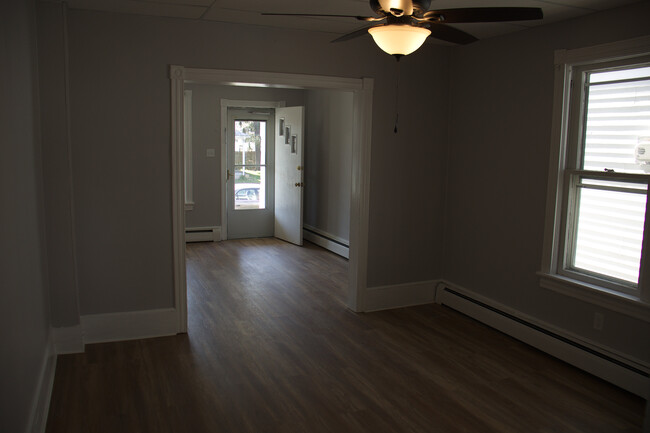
(611, 369)
(327, 241)
(202, 234)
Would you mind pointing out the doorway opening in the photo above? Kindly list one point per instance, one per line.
(361, 89)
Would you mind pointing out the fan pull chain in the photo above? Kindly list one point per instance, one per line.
(397, 57)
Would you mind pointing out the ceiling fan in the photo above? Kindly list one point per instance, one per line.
(407, 23)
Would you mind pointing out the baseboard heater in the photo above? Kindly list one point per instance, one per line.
(329, 242)
(202, 234)
(610, 368)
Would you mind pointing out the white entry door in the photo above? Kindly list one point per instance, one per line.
(289, 167)
(250, 173)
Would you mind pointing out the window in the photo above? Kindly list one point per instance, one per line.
(598, 185)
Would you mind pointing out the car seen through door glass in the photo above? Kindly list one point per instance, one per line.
(247, 196)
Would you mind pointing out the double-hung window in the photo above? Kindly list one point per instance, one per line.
(597, 230)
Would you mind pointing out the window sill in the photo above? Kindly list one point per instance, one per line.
(189, 206)
(619, 302)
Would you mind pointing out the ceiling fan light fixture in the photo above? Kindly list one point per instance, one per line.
(399, 39)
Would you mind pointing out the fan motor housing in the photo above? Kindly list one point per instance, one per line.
(410, 7)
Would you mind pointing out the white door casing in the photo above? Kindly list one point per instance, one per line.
(289, 164)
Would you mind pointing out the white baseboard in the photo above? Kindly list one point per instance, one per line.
(400, 295)
(326, 240)
(41, 402)
(68, 340)
(614, 367)
(132, 325)
(203, 234)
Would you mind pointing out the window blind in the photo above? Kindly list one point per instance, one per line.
(618, 117)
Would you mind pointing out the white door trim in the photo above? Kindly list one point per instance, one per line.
(225, 104)
(176, 74)
(362, 89)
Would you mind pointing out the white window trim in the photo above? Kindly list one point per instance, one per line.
(187, 151)
(550, 276)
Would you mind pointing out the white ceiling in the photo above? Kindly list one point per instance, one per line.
(248, 12)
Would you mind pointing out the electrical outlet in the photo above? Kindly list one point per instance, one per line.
(210, 153)
(599, 321)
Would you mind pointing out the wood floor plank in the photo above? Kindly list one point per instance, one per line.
(271, 348)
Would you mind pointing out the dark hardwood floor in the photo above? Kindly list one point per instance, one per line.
(271, 347)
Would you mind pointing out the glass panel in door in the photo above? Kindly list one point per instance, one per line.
(250, 165)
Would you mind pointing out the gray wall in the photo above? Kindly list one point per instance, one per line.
(56, 166)
(24, 317)
(501, 106)
(206, 127)
(120, 117)
(328, 155)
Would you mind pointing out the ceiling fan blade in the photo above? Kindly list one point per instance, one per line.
(450, 34)
(360, 18)
(352, 35)
(485, 15)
